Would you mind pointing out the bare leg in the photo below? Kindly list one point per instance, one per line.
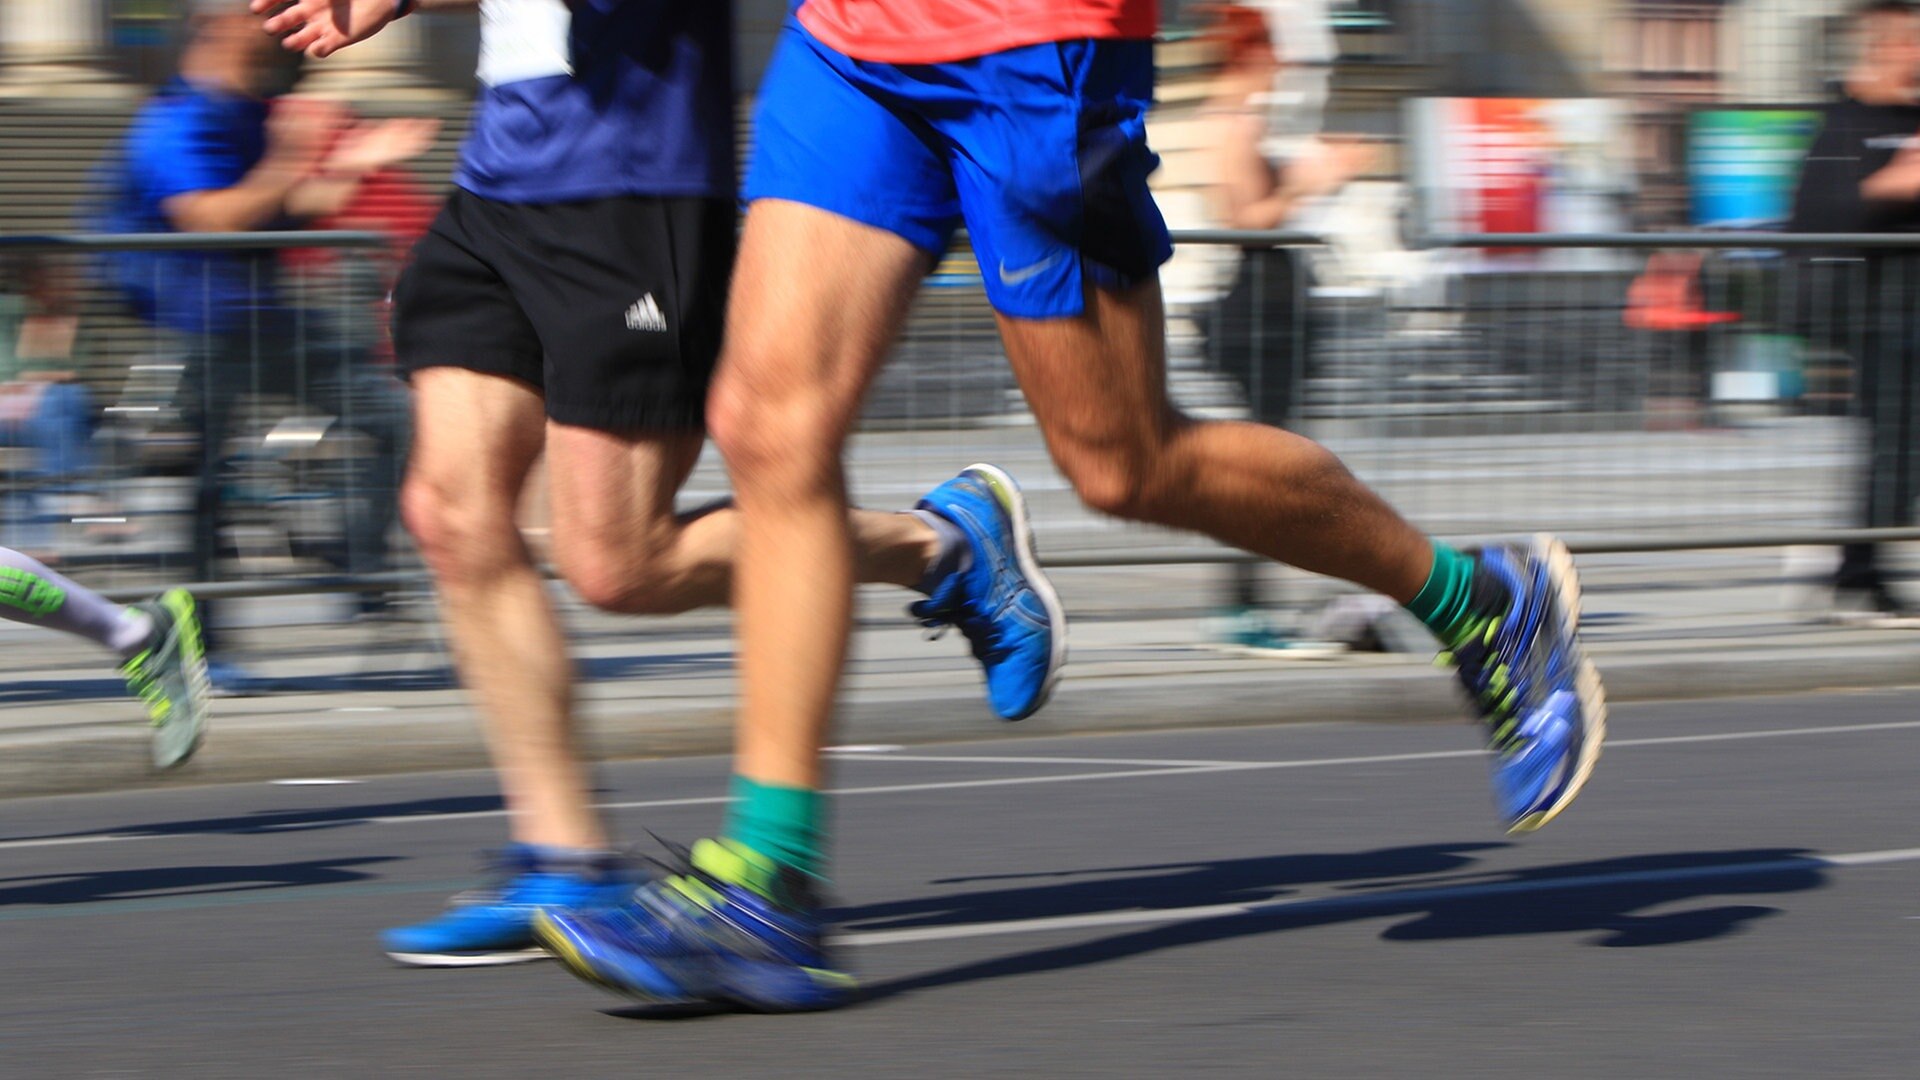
(619, 543)
(476, 438)
(801, 349)
(1097, 386)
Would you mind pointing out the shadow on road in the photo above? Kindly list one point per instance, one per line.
(441, 677)
(303, 819)
(1170, 885)
(40, 691)
(378, 680)
(1612, 900)
(147, 883)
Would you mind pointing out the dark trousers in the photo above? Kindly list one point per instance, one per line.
(225, 369)
(1869, 308)
(1258, 336)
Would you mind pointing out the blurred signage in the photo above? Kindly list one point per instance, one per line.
(1520, 165)
(142, 23)
(1742, 164)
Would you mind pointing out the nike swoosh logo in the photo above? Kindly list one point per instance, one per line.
(1015, 277)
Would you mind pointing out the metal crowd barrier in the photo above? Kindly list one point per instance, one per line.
(131, 345)
(1635, 392)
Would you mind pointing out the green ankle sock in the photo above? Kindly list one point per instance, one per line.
(1445, 602)
(785, 824)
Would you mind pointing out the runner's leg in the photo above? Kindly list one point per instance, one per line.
(619, 542)
(158, 641)
(33, 594)
(801, 349)
(1068, 226)
(476, 437)
(851, 201)
(1097, 387)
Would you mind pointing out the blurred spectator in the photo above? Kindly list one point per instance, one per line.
(1862, 174)
(44, 409)
(1260, 335)
(211, 153)
(390, 201)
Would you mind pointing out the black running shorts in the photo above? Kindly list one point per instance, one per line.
(612, 308)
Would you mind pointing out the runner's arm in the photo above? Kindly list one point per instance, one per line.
(321, 28)
(361, 152)
(1253, 192)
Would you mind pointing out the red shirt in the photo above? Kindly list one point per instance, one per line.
(936, 31)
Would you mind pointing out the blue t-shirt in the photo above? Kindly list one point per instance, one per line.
(599, 98)
(189, 138)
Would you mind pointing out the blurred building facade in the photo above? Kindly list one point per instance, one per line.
(71, 70)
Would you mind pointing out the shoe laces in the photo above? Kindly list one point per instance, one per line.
(502, 868)
(505, 869)
(1489, 678)
(683, 875)
(977, 621)
(143, 679)
(683, 905)
(982, 633)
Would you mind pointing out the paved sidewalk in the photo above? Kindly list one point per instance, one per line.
(358, 700)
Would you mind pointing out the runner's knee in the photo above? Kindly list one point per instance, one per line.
(1121, 474)
(629, 571)
(1115, 482)
(464, 535)
(776, 440)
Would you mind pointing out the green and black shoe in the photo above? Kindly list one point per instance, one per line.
(169, 677)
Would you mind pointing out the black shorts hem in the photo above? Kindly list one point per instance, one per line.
(406, 367)
(663, 417)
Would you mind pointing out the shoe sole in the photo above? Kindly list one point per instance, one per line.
(1014, 501)
(467, 960)
(1565, 582)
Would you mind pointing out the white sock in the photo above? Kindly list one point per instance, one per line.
(33, 594)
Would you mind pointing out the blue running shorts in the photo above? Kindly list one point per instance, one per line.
(1040, 150)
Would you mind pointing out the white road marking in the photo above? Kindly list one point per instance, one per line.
(866, 748)
(1776, 733)
(1361, 903)
(992, 759)
(64, 841)
(1010, 781)
(1873, 858)
(314, 782)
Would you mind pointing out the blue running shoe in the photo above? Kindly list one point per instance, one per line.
(703, 936)
(1001, 601)
(494, 925)
(1540, 697)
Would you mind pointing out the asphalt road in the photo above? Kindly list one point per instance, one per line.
(1738, 894)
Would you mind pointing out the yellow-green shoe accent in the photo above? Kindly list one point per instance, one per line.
(169, 677)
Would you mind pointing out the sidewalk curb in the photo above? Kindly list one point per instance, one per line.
(324, 743)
